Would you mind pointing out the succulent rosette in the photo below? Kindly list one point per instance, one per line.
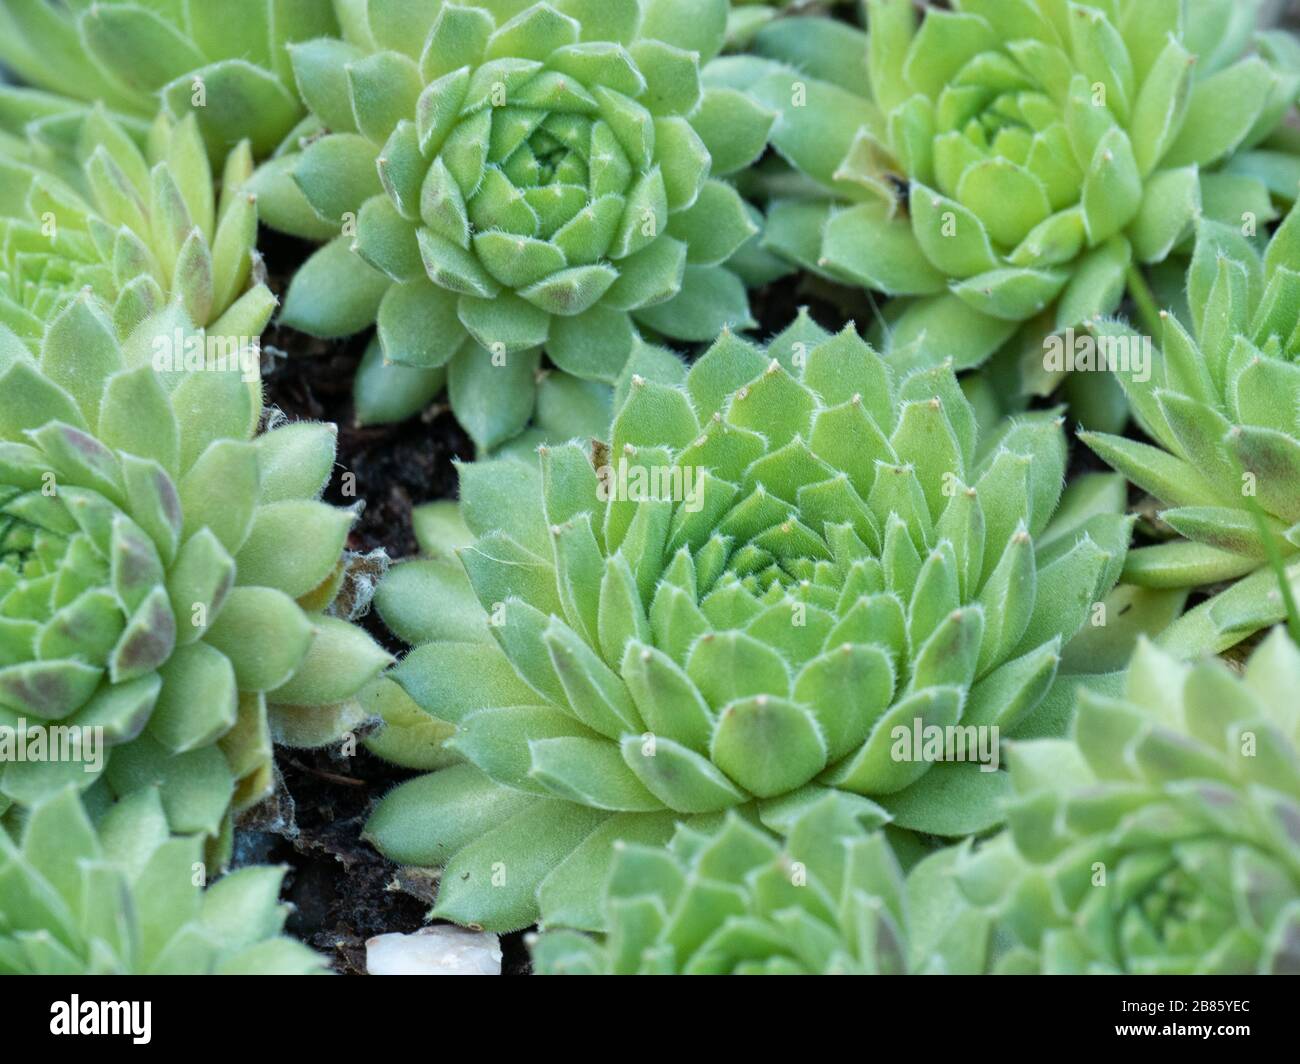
(88, 206)
(1018, 161)
(225, 63)
(517, 178)
(774, 565)
(1221, 405)
(117, 896)
(165, 573)
(828, 899)
(1162, 838)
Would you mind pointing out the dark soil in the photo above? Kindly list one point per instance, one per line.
(343, 891)
(394, 466)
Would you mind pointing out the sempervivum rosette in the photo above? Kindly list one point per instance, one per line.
(117, 895)
(88, 204)
(1009, 160)
(522, 177)
(163, 573)
(1165, 837)
(1222, 405)
(772, 569)
(225, 63)
(829, 900)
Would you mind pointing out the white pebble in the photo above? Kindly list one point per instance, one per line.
(439, 950)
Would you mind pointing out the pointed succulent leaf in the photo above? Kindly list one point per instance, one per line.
(1223, 421)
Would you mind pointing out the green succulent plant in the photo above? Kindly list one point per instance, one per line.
(164, 572)
(139, 224)
(826, 555)
(120, 896)
(830, 899)
(1162, 838)
(225, 63)
(1010, 165)
(747, 17)
(519, 178)
(1221, 405)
